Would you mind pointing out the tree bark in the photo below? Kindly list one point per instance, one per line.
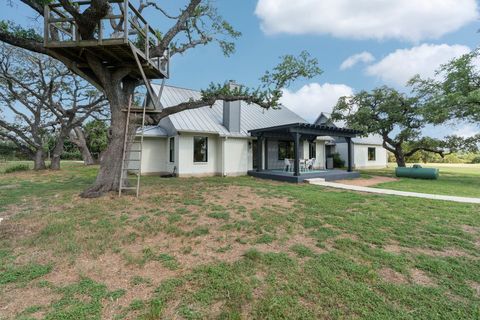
(57, 152)
(77, 136)
(108, 178)
(400, 158)
(39, 160)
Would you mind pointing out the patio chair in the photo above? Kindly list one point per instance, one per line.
(309, 164)
(287, 167)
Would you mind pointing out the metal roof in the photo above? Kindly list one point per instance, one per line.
(210, 119)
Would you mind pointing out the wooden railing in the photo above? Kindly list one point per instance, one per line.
(122, 26)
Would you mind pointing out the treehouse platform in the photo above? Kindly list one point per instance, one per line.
(123, 38)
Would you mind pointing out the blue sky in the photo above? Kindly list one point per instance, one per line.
(428, 32)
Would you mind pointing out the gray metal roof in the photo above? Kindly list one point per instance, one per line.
(153, 131)
(209, 119)
(374, 139)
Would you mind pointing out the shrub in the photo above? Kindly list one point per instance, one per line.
(337, 161)
(18, 167)
(476, 160)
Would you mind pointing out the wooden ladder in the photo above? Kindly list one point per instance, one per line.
(133, 155)
(127, 154)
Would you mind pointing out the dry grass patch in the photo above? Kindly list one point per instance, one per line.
(392, 276)
(419, 277)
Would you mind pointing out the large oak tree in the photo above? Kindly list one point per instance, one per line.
(198, 23)
(398, 119)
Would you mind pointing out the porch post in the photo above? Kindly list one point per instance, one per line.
(266, 153)
(349, 153)
(296, 150)
(259, 153)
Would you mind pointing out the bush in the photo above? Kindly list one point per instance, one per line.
(18, 167)
(476, 160)
(337, 161)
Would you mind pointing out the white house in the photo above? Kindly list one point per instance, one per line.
(368, 152)
(216, 141)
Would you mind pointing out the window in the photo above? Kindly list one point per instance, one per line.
(312, 150)
(200, 149)
(172, 149)
(371, 154)
(285, 150)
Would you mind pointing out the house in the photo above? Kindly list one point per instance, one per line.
(368, 152)
(217, 141)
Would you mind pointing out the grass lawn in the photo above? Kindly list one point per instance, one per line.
(454, 180)
(231, 248)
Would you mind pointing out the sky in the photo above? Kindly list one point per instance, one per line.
(360, 45)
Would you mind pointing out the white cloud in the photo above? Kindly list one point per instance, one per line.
(364, 57)
(411, 20)
(314, 98)
(401, 65)
(467, 131)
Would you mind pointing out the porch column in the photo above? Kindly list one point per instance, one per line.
(266, 153)
(259, 153)
(349, 154)
(296, 150)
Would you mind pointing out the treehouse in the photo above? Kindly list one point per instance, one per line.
(123, 38)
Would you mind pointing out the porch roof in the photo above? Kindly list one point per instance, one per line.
(305, 129)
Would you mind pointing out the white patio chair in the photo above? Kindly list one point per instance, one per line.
(288, 166)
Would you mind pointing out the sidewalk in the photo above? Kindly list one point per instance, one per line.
(321, 182)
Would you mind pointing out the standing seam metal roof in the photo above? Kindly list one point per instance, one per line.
(210, 119)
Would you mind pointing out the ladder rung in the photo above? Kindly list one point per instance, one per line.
(128, 188)
(127, 160)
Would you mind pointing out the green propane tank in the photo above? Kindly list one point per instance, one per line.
(417, 172)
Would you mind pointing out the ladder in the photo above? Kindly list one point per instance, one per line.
(134, 155)
(127, 154)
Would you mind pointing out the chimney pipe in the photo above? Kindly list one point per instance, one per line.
(232, 111)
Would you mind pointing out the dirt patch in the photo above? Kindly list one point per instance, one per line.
(246, 197)
(392, 276)
(18, 299)
(470, 229)
(367, 182)
(419, 277)
(475, 286)
(449, 252)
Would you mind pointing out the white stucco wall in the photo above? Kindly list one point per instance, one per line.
(320, 155)
(186, 166)
(154, 156)
(237, 157)
(360, 155)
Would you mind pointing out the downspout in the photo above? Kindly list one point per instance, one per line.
(223, 157)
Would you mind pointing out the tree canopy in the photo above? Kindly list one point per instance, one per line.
(398, 119)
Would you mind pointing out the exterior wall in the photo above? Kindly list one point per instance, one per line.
(154, 156)
(186, 166)
(320, 156)
(360, 155)
(237, 158)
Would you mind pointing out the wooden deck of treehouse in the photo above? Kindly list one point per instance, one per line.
(117, 35)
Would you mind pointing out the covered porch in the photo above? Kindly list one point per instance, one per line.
(298, 136)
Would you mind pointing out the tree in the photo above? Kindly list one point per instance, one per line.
(198, 23)
(43, 98)
(397, 118)
(454, 93)
(77, 137)
(96, 133)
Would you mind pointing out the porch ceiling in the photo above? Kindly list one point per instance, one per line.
(307, 130)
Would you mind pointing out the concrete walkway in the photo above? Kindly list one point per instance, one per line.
(321, 182)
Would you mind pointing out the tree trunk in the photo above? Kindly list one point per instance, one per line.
(57, 151)
(400, 158)
(77, 136)
(39, 160)
(108, 178)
